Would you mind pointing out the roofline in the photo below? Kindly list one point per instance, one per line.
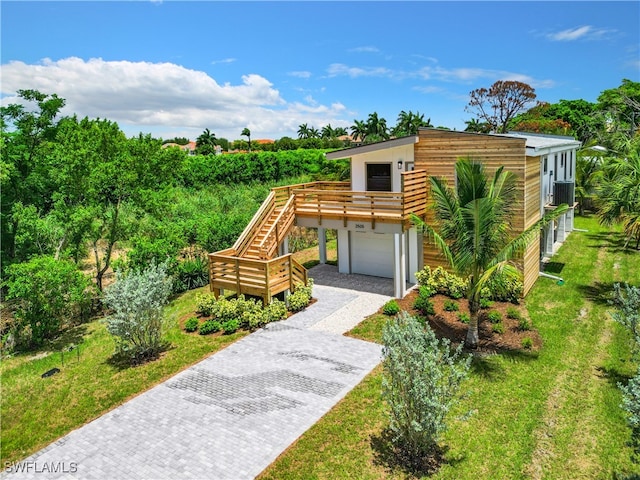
(372, 147)
(569, 142)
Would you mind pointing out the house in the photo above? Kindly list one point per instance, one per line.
(190, 147)
(371, 212)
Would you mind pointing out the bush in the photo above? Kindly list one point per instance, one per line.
(494, 316)
(301, 297)
(513, 313)
(137, 300)
(391, 307)
(424, 305)
(275, 311)
(230, 326)
(626, 300)
(191, 273)
(524, 324)
(498, 328)
(191, 325)
(49, 293)
(527, 343)
(440, 281)
(421, 382)
(210, 326)
(464, 317)
(451, 306)
(631, 403)
(205, 303)
(505, 288)
(485, 303)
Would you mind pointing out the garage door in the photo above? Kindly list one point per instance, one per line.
(372, 254)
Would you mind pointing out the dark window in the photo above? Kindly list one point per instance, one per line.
(545, 165)
(379, 177)
(571, 165)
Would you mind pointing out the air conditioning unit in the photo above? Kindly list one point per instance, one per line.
(563, 192)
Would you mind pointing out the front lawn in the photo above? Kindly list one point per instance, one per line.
(36, 411)
(554, 413)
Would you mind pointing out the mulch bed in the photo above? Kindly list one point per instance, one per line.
(447, 325)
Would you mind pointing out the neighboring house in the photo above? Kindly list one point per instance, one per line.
(371, 213)
(190, 147)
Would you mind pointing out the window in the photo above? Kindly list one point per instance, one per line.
(571, 165)
(379, 177)
(545, 165)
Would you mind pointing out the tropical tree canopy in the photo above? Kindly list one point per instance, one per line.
(498, 104)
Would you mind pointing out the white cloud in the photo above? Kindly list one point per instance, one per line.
(143, 96)
(224, 60)
(584, 32)
(340, 69)
(300, 74)
(469, 75)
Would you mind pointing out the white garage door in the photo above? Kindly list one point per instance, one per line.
(372, 254)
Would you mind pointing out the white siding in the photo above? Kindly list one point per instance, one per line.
(392, 155)
(372, 254)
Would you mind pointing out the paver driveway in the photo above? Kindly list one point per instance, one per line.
(232, 414)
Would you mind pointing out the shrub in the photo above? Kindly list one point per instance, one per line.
(301, 297)
(275, 311)
(391, 308)
(451, 306)
(498, 328)
(50, 293)
(205, 303)
(210, 326)
(524, 324)
(494, 316)
(137, 300)
(513, 313)
(631, 403)
(626, 300)
(191, 325)
(424, 305)
(464, 317)
(421, 382)
(527, 343)
(191, 273)
(440, 281)
(505, 288)
(485, 303)
(230, 326)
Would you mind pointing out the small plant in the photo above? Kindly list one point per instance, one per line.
(424, 305)
(451, 306)
(485, 303)
(464, 317)
(205, 303)
(421, 381)
(391, 308)
(527, 343)
(230, 326)
(210, 326)
(513, 313)
(494, 316)
(275, 311)
(191, 325)
(524, 324)
(498, 328)
(301, 297)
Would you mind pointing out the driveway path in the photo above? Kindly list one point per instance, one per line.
(232, 414)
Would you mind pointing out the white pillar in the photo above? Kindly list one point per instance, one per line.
(344, 262)
(322, 245)
(414, 263)
(562, 227)
(570, 216)
(399, 264)
(548, 239)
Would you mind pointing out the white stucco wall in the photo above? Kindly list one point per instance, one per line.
(391, 155)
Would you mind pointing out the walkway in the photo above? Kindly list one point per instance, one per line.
(232, 414)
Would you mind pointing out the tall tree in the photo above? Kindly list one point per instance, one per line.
(327, 131)
(377, 127)
(359, 130)
(247, 133)
(621, 110)
(498, 104)
(408, 123)
(206, 143)
(474, 229)
(303, 131)
(476, 126)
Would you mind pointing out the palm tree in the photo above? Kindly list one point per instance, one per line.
(313, 133)
(588, 173)
(474, 233)
(206, 142)
(340, 131)
(246, 133)
(408, 123)
(303, 131)
(475, 126)
(359, 130)
(619, 195)
(377, 126)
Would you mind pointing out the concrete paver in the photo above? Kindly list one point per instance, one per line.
(230, 415)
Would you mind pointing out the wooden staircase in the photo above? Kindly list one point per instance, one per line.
(253, 265)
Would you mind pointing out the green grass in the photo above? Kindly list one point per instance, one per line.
(37, 411)
(552, 414)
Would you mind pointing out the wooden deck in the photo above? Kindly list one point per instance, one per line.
(249, 267)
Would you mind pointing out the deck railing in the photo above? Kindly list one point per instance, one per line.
(279, 230)
(247, 235)
(262, 278)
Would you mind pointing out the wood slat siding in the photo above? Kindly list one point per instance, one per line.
(437, 151)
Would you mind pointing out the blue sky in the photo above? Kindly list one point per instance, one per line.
(175, 68)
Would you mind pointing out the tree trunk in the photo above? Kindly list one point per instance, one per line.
(471, 341)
